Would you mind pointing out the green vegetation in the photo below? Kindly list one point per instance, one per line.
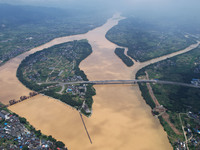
(147, 40)
(120, 53)
(144, 90)
(181, 68)
(60, 144)
(172, 136)
(177, 99)
(188, 122)
(22, 120)
(146, 95)
(44, 72)
(25, 27)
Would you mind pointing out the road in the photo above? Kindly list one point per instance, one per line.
(129, 82)
(186, 140)
(119, 82)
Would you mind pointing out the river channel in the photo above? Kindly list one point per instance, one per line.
(120, 120)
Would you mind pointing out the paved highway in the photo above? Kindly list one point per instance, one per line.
(130, 82)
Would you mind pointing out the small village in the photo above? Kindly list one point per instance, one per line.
(77, 90)
(16, 50)
(80, 91)
(59, 68)
(47, 73)
(195, 82)
(15, 136)
(188, 121)
(192, 132)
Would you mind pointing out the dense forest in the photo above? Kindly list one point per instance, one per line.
(120, 53)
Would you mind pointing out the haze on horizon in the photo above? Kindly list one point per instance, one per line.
(165, 12)
(179, 9)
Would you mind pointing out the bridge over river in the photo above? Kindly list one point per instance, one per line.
(130, 82)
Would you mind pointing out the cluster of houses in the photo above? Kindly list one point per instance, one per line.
(181, 146)
(77, 90)
(194, 140)
(197, 68)
(195, 82)
(73, 78)
(164, 64)
(193, 133)
(15, 136)
(196, 117)
(86, 108)
(55, 75)
(16, 51)
(24, 44)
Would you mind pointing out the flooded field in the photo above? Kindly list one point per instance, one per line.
(120, 120)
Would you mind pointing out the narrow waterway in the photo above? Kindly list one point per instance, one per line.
(120, 120)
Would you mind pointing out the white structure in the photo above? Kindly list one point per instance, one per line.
(4, 114)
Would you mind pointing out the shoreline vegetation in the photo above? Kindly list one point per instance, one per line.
(68, 98)
(19, 34)
(120, 53)
(8, 122)
(43, 72)
(181, 119)
(147, 40)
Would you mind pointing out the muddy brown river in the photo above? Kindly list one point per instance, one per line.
(121, 120)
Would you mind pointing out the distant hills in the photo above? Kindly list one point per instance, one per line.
(11, 15)
(25, 27)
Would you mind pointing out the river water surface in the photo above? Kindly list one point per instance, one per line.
(120, 120)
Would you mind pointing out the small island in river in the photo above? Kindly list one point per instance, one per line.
(120, 53)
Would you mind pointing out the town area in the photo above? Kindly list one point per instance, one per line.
(16, 134)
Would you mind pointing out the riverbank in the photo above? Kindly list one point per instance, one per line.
(17, 133)
(43, 70)
(176, 99)
(111, 102)
(147, 40)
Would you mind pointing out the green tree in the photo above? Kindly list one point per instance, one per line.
(38, 133)
(23, 120)
(60, 144)
(50, 138)
(25, 148)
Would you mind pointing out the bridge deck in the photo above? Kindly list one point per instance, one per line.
(131, 82)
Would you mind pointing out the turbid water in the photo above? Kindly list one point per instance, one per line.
(120, 120)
